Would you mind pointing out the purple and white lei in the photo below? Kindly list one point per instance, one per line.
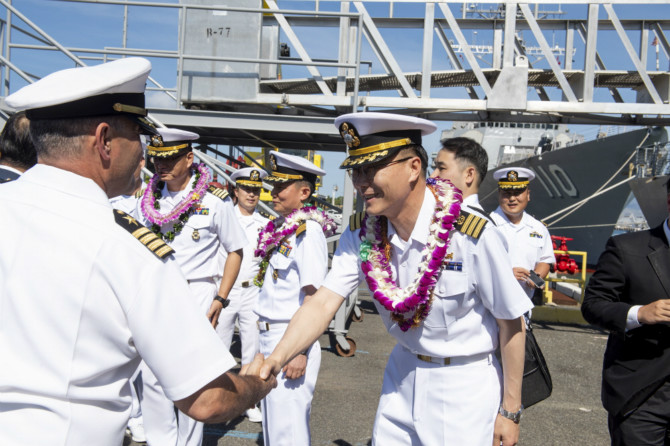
(415, 300)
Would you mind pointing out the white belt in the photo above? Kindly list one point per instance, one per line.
(267, 326)
(456, 360)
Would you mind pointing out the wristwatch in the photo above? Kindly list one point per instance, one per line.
(224, 302)
(514, 416)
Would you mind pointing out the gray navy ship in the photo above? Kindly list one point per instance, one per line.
(580, 189)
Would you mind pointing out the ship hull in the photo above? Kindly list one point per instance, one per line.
(567, 176)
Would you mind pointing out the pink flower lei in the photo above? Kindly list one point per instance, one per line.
(271, 236)
(181, 211)
(375, 256)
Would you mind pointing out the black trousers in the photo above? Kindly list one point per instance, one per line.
(648, 425)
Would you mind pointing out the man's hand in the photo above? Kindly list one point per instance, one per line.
(214, 312)
(505, 432)
(271, 367)
(522, 275)
(296, 367)
(655, 312)
(254, 367)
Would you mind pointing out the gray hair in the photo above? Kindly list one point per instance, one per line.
(63, 138)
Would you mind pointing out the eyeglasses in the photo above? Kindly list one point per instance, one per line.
(369, 172)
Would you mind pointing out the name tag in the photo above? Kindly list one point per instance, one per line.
(201, 211)
(454, 266)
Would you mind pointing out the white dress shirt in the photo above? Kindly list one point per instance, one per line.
(80, 300)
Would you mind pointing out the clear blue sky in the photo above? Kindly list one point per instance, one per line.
(98, 25)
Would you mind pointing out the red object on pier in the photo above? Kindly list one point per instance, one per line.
(563, 261)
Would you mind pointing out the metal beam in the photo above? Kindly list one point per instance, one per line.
(378, 41)
(651, 89)
(290, 34)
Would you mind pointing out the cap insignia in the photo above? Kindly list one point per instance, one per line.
(349, 135)
(255, 175)
(273, 162)
(156, 141)
(512, 175)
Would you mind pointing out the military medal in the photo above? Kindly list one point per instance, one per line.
(196, 235)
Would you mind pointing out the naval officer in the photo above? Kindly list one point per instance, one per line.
(197, 221)
(441, 283)
(244, 295)
(105, 291)
(294, 263)
(528, 240)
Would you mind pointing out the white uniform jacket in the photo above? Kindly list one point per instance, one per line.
(474, 289)
(300, 261)
(80, 300)
(214, 225)
(528, 242)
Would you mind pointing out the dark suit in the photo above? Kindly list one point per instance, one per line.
(633, 270)
(7, 175)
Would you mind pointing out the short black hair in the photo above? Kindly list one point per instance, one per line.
(16, 145)
(468, 150)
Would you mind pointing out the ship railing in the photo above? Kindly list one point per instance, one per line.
(554, 278)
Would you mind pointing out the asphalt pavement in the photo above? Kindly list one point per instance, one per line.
(348, 389)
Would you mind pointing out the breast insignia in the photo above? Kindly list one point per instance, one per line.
(143, 234)
(470, 224)
(218, 192)
(356, 220)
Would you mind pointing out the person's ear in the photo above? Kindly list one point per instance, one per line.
(103, 140)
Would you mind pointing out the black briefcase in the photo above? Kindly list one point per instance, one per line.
(537, 385)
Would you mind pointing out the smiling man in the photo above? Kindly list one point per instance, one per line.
(440, 280)
(528, 240)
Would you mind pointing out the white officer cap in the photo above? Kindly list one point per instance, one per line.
(171, 143)
(249, 176)
(372, 137)
(107, 89)
(292, 168)
(513, 177)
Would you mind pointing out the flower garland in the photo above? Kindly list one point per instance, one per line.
(270, 237)
(182, 211)
(375, 255)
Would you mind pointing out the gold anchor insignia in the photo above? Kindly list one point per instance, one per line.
(157, 140)
(348, 133)
(512, 175)
(273, 162)
(461, 219)
(450, 256)
(255, 175)
(196, 235)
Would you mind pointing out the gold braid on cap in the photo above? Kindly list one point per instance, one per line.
(382, 146)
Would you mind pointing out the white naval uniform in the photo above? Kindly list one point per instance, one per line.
(216, 227)
(429, 403)
(80, 300)
(286, 410)
(128, 204)
(244, 294)
(528, 242)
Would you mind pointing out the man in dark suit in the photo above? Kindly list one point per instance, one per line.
(629, 294)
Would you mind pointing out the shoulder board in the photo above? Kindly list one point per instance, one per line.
(218, 192)
(143, 234)
(470, 224)
(302, 228)
(139, 193)
(356, 220)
